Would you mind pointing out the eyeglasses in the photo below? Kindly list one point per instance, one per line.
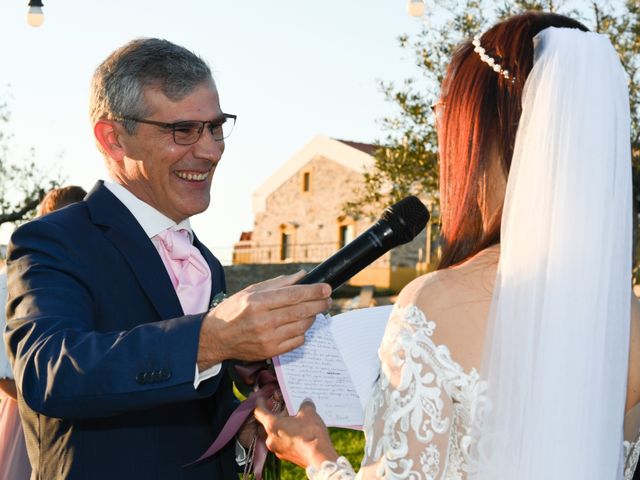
(190, 131)
(438, 108)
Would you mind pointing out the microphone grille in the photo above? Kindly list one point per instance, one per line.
(406, 218)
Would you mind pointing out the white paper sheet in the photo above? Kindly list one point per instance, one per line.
(336, 367)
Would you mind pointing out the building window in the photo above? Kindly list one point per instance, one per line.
(345, 235)
(306, 181)
(286, 247)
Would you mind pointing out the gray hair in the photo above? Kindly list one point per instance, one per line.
(118, 84)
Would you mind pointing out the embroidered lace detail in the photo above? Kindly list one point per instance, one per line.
(419, 420)
(631, 455)
(423, 410)
(339, 470)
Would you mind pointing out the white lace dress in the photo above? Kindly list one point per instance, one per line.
(418, 422)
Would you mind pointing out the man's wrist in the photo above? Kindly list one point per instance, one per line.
(210, 351)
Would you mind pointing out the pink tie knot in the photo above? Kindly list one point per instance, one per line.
(177, 243)
(187, 269)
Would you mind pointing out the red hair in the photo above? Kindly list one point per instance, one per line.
(480, 120)
(60, 197)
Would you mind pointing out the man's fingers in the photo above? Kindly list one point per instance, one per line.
(292, 295)
(290, 336)
(289, 344)
(299, 275)
(302, 311)
(291, 325)
(279, 281)
(261, 322)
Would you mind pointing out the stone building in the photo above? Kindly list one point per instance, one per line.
(299, 214)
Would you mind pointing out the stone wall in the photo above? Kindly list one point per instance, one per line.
(312, 217)
(407, 255)
(241, 276)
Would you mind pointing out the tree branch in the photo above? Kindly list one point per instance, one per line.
(26, 208)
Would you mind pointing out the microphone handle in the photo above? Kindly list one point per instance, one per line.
(353, 257)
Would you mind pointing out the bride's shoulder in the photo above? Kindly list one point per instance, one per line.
(450, 306)
(429, 292)
(418, 300)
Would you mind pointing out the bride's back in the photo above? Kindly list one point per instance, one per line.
(458, 300)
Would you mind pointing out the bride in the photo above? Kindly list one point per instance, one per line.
(520, 357)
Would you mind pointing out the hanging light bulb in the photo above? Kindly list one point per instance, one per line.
(35, 17)
(415, 8)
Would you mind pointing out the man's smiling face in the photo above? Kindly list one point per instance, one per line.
(174, 179)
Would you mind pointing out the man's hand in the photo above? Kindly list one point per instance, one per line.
(263, 320)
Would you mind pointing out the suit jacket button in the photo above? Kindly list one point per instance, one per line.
(165, 374)
(141, 378)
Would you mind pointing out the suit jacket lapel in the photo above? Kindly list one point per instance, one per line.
(213, 266)
(126, 234)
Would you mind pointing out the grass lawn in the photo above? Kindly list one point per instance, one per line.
(349, 443)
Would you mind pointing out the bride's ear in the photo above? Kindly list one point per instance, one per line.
(491, 192)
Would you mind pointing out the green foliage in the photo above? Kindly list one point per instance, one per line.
(22, 183)
(407, 160)
(349, 443)
(406, 163)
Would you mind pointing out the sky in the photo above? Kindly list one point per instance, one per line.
(289, 69)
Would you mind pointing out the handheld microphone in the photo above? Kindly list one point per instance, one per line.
(398, 224)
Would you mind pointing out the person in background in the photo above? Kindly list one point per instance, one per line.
(14, 462)
(57, 198)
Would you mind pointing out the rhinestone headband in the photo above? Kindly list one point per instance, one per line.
(489, 60)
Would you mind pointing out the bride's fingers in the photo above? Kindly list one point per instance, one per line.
(307, 405)
(263, 415)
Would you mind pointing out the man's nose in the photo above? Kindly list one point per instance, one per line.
(209, 148)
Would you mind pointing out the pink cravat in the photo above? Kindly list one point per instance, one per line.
(187, 268)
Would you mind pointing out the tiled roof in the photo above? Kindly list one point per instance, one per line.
(363, 147)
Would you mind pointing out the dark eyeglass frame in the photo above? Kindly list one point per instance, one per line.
(436, 108)
(211, 124)
(436, 105)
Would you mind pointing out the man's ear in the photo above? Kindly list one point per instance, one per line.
(108, 136)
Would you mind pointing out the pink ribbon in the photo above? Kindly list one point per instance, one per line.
(265, 386)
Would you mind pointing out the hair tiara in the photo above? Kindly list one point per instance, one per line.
(490, 60)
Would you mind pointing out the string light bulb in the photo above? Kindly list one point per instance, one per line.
(35, 16)
(415, 8)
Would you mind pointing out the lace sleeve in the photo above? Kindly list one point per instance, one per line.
(341, 469)
(410, 424)
(631, 454)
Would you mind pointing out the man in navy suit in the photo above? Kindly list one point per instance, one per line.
(114, 380)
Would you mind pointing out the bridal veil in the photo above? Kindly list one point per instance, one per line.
(557, 343)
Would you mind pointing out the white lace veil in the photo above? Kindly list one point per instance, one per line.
(557, 341)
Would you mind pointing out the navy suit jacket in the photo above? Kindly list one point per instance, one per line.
(104, 357)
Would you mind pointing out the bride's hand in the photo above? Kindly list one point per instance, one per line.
(303, 439)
